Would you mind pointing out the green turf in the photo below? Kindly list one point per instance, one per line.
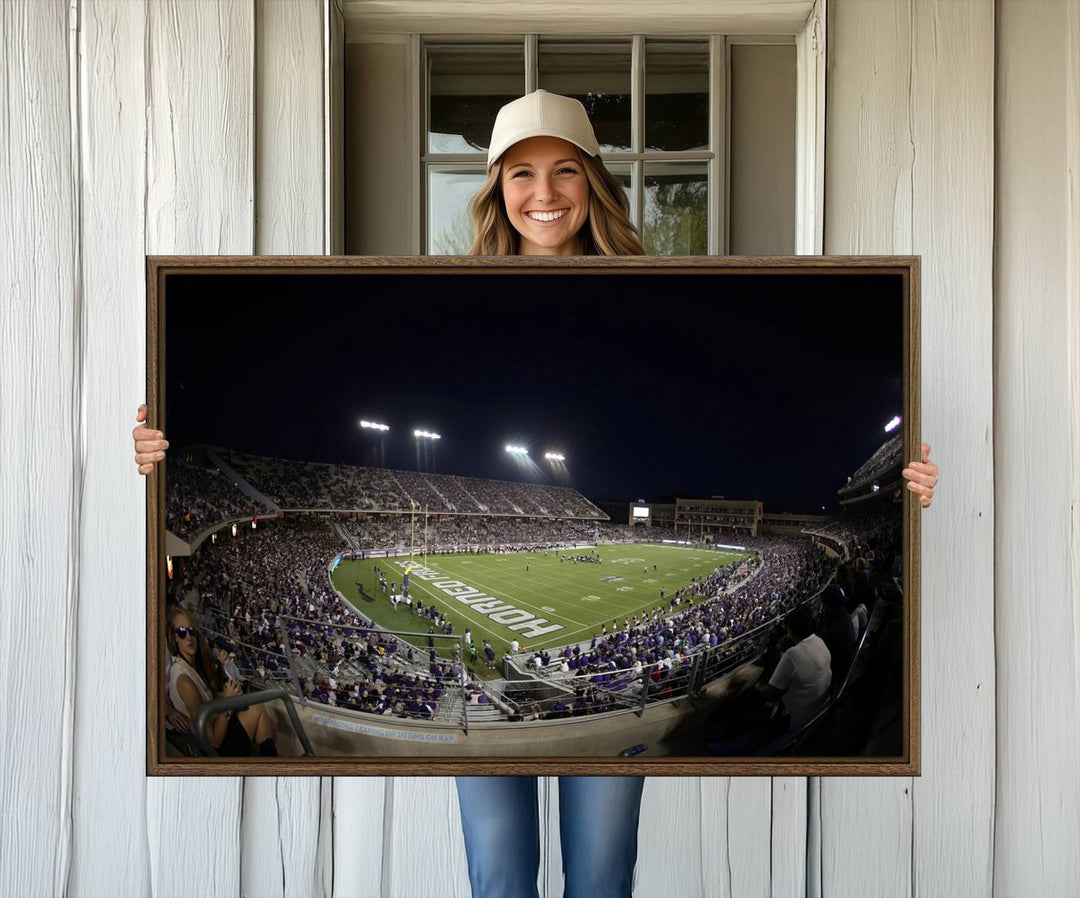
(576, 597)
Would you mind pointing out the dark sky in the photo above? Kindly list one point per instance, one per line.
(771, 387)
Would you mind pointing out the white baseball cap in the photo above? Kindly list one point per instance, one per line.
(541, 114)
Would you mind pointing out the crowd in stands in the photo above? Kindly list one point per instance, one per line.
(245, 583)
(308, 485)
(376, 532)
(851, 525)
(862, 606)
(886, 461)
(197, 497)
(532, 704)
(626, 533)
(784, 572)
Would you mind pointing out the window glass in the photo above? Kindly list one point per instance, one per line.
(676, 95)
(467, 84)
(624, 175)
(597, 74)
(450, 188)
(676, 209)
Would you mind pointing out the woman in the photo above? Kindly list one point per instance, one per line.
(195, 677)
(547, 193)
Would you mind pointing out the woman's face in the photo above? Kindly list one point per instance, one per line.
(546, 195)
(186, 644)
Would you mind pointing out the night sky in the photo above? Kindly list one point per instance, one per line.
(770, 387)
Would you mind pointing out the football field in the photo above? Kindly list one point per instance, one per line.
(541, 599)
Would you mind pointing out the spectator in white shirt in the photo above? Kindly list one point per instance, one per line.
(803, 674)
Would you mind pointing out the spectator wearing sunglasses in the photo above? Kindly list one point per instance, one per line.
(196, 676)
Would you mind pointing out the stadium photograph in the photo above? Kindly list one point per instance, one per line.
(463, 512)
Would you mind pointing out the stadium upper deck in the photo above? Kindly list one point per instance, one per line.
(232, 484)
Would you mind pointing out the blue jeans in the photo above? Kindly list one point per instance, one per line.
(598, 823)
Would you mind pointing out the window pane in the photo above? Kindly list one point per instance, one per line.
(623, 174)
(676, 209)
(467, 85)
(597, 74)
(676, 95)
(449, 191)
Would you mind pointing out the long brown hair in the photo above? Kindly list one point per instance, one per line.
(206, 665)
(607, 231)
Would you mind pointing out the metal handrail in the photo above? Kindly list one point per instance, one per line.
(238, 703)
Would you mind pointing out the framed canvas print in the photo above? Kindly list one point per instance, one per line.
(446, 515)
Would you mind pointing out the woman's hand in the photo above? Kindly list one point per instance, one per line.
(922, 477)
(177, 720)
(231, 688)
(150, 444)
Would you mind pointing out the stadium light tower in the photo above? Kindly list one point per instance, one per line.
(517, 450)
(425, 438)
(557, 466)
(381, 430)
(893, 424)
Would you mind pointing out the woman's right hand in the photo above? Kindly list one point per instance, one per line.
(179, 721)
(231, 688)
(150, 444)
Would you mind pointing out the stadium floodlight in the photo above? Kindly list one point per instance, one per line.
(371, 425)
(517, 450)
(554, 456)
(893, 424)
(424, 434)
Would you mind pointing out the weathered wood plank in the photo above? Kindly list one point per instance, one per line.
(423, 847)
(289, 128)
(789, 822)
(952, 78)
(199, 197)
(110, 726)
(670, 838)
(280, 837)
(189, 858)
(200, 186)
(868, 157)
(41, 463)
(1037, 448)
(909, 170)
(282, 816)
(359, 835)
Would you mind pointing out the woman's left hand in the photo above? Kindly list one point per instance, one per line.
(922, 477)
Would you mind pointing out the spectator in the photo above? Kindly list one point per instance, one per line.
(836, 631)
(802, 676)
(195, 676)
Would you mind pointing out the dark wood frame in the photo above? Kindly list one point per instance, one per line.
(908, 764)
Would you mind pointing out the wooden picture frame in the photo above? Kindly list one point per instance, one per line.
(230, 321)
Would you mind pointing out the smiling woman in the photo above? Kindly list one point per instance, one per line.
(547, 190)
(548, 193)
(546, 196)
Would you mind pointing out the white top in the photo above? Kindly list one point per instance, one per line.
(179, 667)
(859, 617)
(804, 673)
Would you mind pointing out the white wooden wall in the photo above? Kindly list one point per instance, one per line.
(953, 131)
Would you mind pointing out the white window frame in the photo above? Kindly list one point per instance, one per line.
(809, 41)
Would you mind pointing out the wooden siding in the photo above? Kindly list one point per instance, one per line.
(179, 127)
